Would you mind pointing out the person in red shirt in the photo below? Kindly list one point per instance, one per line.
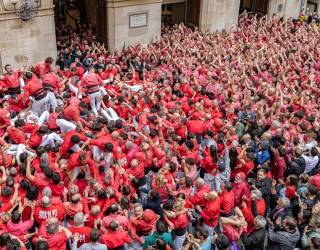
(44, 67)
(80, 229)
(18, 136)
(211, 211)
(12, 80)
(78, 160)
(92, 83)
(115, 238)
(142, 223)
(55, 235)
(315, 180)
(198, 198)
(71, 141)
(36, 93)
(46, 210)
(70, 117)
(226, 200)
(53, 84)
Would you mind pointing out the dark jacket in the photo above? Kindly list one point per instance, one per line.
(282, 240)
(254, 241)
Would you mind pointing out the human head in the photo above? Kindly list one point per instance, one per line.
(78, 219)
(42, 245)
(94, 235)
(259, 222)
(138, 209)
(199, 183)
(52, 225)
(289, 224)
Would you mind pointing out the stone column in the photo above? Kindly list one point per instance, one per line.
(132, 21)
(26, 42)
(216, 15)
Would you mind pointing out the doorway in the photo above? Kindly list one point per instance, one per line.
(193, 12)
(259, 7)
(173, 12)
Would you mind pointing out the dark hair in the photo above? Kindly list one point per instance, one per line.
(190, 161)
(108, 146)
(49, 60)
(42, 245)
(32, 193)
(6, 191)
(48, 172)
(160, 244)
(24, 184)
(291, 223)
(315, 241)
(188, 181)
(75, 139)
(113, 226)
(13, 244)
(10, 181)
(94, 235)
(56, 178)
(16, 216)
(4, 238)
(19, 123)
(222, 242)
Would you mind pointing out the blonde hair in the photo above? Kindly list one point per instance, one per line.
(160, 180)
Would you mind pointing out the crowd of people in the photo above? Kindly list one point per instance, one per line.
(195, 141)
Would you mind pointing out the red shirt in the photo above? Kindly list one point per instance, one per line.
(11, 81)
(67, 143)
(211, 212)
(227, 201)
(16, 135)
(115, 239)
(74, 161)
(35, 139)
(72, 112)
(195, 126)
(32, 87)
(84, 234)
(41, 69)
(315, 180)
(41, 214)
(52, 81)
(56, 241)
(198, 198)
(180, 222)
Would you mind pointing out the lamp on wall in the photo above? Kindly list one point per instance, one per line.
(27, 9)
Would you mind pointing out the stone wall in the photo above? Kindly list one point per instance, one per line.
(216, 15)
(284, 8)
(119, 32)
(26, 42)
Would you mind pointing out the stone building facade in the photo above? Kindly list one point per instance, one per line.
(125, 22)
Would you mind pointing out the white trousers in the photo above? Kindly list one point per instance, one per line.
(95, 101)
(52, 101)
(110, 114)
(75, 172)
(17, 150)
(51, 139)
(38, 107)
(65, 125)
(178, 242)
(98, 154)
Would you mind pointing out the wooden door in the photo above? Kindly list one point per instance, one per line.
(102, 21)
(260, 7)
(193, 12)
